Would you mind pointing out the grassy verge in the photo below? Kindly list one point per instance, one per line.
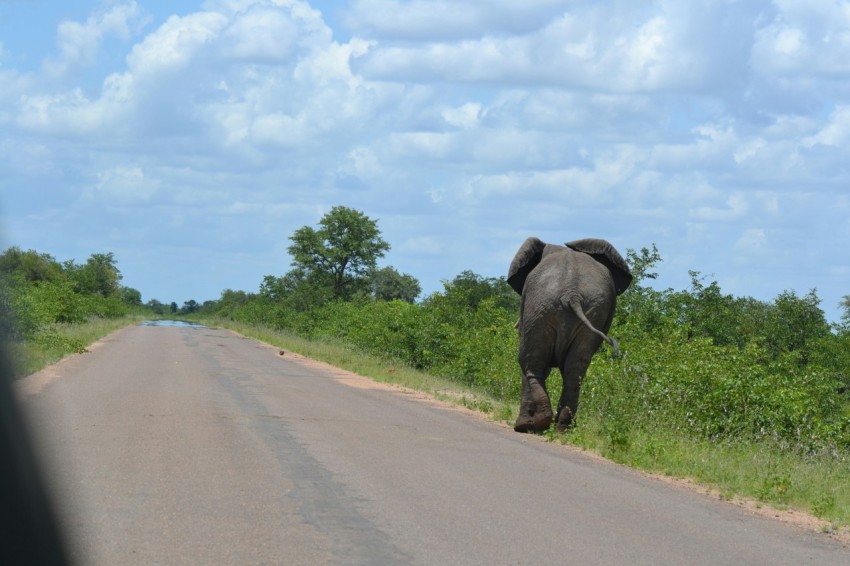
(59, 340)
(765, 473)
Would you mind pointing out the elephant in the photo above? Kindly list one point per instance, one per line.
(569, 295)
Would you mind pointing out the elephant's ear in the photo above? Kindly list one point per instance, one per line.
(604, 252)
(526, 259)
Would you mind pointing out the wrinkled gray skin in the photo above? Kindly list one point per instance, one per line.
(569, 294)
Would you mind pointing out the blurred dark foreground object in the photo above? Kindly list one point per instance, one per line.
(29, 531)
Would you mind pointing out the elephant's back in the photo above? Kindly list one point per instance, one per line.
(568, 275)
(568, 265)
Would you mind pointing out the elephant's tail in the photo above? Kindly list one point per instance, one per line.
(575, 306)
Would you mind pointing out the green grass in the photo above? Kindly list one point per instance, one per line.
(762, 472)
(59, 340)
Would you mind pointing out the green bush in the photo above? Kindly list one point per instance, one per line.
(696, 388)
(52, 339)
(39, 296)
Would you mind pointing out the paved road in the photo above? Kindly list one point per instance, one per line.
(198, 446)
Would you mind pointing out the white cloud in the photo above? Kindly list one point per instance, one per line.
(465, 116)
(736, 207)
(748, 150)
(78, 43)
(176, 43)
(364, 164)
(836, 132)
(122, 185)
(752, 242)
(769, 202)
(448, 19)
(69, 112)
(583, 44)
(279, 129)
(805, 38)
(263, 34)
(256, 73)
(423, 245)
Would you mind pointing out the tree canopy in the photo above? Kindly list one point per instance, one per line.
(340, 253)
(98, 276)
(388, 284)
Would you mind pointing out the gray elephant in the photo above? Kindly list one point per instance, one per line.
(569, 294)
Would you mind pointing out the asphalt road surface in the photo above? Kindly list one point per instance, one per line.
(199, 446)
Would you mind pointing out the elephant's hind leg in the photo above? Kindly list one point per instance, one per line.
(573, 369)
(535, 410)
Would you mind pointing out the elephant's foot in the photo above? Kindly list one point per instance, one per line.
(522, 424)
(539, 422)
(565, 419)
(535, 411)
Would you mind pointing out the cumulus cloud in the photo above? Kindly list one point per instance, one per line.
(426, 20)
(464, 116)
(836, 132)
(805, 38)
(577, 44)
(735, 207)
(752, 241)
(176, 44)
(78, 43)
(122, 185)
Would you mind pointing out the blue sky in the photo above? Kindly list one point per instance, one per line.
(193, 138)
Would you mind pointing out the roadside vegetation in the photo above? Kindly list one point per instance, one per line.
(50, 309)
(750, 398)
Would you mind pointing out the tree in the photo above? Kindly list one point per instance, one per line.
(132, 297)
(30, 265)
(189, 306)
(795, 324)
(230, 303)
(387, 284)
(468, 289)
(340, 253)
(641, 304)
(98, 276)
(274, 288)
(845, 316)
(297, 290)
(709, 313)
(156, 306)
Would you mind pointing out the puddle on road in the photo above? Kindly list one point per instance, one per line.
(173, 323)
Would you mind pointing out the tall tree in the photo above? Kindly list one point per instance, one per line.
(341, 252)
